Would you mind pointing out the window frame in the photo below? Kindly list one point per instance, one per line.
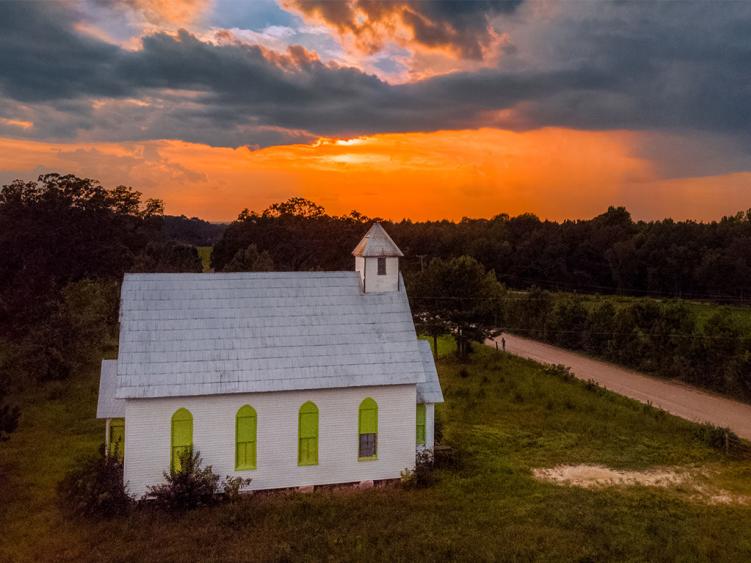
(308, 408)
(184, 416)
(381, 266)
(420, 425)
(117, 423)
(369, 422)
(246, 413)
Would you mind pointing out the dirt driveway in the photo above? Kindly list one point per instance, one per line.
(677, 398)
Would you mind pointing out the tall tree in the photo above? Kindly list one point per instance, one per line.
(459, 296)
(250, 260)
(56, 233)
(62, 229)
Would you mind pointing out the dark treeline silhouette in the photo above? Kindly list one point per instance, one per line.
(66, 243)
(610, 253)
(296, 234)
(193, 230)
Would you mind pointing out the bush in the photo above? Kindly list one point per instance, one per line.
(560, 371)
(94, 487)
(446, 457)
(232, 488)
(422, 475)
(722, 439)
(192, 486)
(9, 415)
(438, 425)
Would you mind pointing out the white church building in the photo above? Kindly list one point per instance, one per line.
(289, 378)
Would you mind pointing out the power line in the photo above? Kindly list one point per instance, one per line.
(611, 289)
(613, 333)
(583, 297)
(580, 296)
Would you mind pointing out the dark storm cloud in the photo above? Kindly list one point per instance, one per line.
(43, 57)
(464, 26)
(671, 66)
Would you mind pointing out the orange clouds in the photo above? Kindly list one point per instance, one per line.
(555, 173)
(461, 30)
(19, 123)
(168, 12)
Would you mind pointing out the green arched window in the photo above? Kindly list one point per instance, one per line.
(117, 437)
(368, 429)
(245, 438)
(182, 437)
(421, 424)
(307, 448)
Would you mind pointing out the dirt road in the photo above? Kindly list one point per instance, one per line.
(676, 398)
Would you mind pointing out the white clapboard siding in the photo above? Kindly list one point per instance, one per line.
(148, 426)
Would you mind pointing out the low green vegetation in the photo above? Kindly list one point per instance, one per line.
(504, 416)
(701, 310)
(699, 343)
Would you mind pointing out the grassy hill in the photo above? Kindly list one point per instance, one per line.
(507, 416)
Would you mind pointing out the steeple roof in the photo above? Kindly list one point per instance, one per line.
(377, 242)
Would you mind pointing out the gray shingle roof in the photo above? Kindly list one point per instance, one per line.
(199, 334)
(430, 390)
(107, 405)
(377, 242)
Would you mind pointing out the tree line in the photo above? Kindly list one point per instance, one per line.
(464, 279)
(610, 253)
(66, 243)
(666, 338)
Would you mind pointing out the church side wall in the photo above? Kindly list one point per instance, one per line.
(148, 427)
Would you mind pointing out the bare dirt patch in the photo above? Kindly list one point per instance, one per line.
(601, 476)
(692, 481)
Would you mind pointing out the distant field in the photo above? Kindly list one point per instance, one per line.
(507, 416)
(703, 309)
(205, 253)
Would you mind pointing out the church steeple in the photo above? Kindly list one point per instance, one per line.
(377, 261)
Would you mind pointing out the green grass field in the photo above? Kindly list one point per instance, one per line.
(505, 415)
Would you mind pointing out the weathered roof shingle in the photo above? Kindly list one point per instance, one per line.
(200, 334)
(377, 242)
(428, 391)
(108, 406)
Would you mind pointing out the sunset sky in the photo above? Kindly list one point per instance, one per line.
(398, 109)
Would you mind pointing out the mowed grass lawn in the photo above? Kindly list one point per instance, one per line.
(505, 415)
